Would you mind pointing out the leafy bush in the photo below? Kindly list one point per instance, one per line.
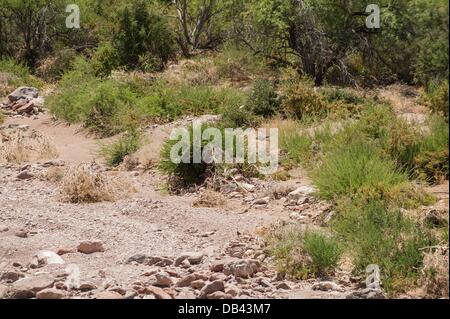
(354, 165)
(53, 67)
(436, 98)
(238, 64)
(263, 100)
(234, 117)
(168, 103)
(126, 145)
(302, 253)
(105, 59)
(142, 37)
(376, 235)
(13, 75)
(300, 101)
(106, 107)
(188, 173)
(325, 252)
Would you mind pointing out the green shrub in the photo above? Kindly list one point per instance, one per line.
(184, 174)
(143, 36)
(325, 252)
(126, 145)
(301, 101)
(436, 98)
(337, 94)
(106, 107)
(234, 117)
(301, 253)
(238, 64)
(374, 234)
(169, 103)
(53, 67)
(263, 100)
(353, 165)
(105, 59)
(13, 75)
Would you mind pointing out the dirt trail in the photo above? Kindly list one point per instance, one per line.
(148, 222)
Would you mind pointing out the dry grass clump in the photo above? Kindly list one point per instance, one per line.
(20, 146)
(129, 163)
(435, 273)
(85, 184)
(210, 199)
(53, 174)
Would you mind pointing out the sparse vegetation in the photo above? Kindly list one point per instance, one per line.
(302, 253)
(126, 145)
(312, 69)
(85, 184)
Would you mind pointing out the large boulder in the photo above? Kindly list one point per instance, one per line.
(23, 92)
(28, 287)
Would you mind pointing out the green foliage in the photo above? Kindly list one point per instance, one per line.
(352, 166)
(300, 101)
(431, 160)
(13, 75)
(325, 252)
(301, 253)
(126, 145)
(189, 173)
(105, 59)
(143, 39)
(234, 117)
(167, 102)
(376, 235)
(53, 67)
(436, 98)
(106, 107)
(263, 100)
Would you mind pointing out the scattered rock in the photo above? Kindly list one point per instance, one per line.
(261, 201)
(107, 295)
(45, 257)
(28, 287)
(163, 279)
(150, 260)
(300, 192)
(218, 295)
(21, 234)
(66, 250)
(193, 258)
(157, 292)
(186, 281)
(198, 284)
(232, 290)
(211, 287)
(4, 290)
(11, 276)
(90, 247)
(23, 92)
(283, 285)
(87, 286)
(367, 293)
(25, 175)
(50, 293)
(242, 268)
(327, 286)
(217, 266)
